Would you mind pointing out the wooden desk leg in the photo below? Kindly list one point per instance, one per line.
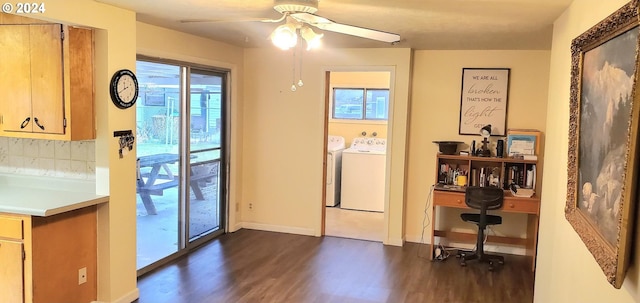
(433, 229)
(532, 239)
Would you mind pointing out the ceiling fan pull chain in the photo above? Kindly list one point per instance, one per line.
(300, 83)
(293, 71)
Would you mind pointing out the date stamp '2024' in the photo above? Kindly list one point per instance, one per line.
(23, 8)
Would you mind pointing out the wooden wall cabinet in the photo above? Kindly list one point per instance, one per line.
(46, 81)
(40, 257)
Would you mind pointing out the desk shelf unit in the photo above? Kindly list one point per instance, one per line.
(447, 194)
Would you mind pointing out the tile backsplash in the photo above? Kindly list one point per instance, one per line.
(73, 160)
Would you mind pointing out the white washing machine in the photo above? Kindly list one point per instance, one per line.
(363, 175)
(335, 146)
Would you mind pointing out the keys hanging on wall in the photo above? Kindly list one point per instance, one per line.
(125, 141)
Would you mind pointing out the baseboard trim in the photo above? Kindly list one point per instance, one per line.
(395, 242)
(127, 298)
(279, 228)
(235, 227)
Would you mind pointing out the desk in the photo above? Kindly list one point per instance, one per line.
(156, 183)
(455, 199)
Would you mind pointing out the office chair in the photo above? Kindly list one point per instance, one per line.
(484, 199)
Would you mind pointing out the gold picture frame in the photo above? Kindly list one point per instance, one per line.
(603, 137)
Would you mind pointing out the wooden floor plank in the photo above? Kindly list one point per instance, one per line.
(256, 266)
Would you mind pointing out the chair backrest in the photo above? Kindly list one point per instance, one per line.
(490, 197)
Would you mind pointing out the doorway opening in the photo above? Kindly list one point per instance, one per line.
(356, 155)
(181, 153)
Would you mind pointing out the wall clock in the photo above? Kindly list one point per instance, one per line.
(124, 88)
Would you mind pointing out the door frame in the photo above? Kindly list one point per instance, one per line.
(184, 148)
(398, 221)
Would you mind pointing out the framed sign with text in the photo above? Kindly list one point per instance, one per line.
(483, 100)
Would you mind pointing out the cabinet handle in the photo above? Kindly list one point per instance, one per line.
(459, 201)
(25, 122)
(511, 205)
(38, 124)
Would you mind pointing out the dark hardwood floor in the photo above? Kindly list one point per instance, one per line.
(257, 266)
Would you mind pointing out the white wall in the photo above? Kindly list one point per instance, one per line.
(435, 114)
(284, 134)
(566, 271)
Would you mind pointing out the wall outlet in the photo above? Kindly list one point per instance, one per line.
(250, 206)
(82, 275)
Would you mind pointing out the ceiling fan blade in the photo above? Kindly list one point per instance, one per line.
(232, 20)
(326, 24)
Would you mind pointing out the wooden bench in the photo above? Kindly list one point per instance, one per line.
(164, 181)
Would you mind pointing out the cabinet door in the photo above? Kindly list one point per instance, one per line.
(47, 102)
(11, 272)
(15, 77)
(32, 83)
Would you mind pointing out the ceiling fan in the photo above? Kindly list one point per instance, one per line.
(298, 13)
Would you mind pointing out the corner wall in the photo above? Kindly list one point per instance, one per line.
(115, 42)
(435, 114)
(566, 271)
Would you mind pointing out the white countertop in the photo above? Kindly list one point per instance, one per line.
(42, 196)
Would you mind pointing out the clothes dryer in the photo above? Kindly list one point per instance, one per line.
(335, 146)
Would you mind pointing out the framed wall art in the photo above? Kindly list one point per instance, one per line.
(603, 139)
(483, 100)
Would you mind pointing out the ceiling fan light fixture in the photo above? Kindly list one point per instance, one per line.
(284, 36)
(298, 6)
(313, 40)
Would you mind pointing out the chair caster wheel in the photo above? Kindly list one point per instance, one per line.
(463, 264)
(490, 268)
(500, 262)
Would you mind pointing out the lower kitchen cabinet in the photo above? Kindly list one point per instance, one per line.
(40, 257)
(11, 271)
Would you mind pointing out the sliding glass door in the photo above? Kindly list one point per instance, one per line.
(180, 148)
(205, 149)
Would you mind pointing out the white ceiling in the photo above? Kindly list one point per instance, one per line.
(421, 24)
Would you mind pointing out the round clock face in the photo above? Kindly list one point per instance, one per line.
(124, 88)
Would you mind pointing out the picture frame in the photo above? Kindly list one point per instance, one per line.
(483, 100)
(523, 142)
(603, 137)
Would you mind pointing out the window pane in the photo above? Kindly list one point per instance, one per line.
(377, 104)
(347, 103)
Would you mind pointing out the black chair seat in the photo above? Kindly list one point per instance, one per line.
(475, 218)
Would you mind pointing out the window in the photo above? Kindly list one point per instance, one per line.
(360, 103)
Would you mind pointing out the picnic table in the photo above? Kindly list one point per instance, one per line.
(160, 177)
